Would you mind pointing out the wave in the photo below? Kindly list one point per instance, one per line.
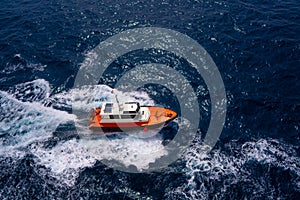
(248, 165)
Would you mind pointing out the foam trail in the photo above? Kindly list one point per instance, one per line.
(22, 123)
(68, 158)
(33, 91)
(25, 127)
(92, 96)
(83, 98)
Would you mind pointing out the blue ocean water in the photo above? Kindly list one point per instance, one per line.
(256, 47)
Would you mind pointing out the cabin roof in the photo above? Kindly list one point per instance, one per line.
(122, 108)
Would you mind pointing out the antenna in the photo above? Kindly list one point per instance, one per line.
(113, 92)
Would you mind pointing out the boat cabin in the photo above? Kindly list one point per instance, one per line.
(128, 111)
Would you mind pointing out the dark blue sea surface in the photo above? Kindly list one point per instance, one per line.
(256, 47)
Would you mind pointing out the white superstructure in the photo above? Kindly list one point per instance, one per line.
(124, 112)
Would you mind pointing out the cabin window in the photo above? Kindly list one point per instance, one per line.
(129, 112)
(114, 116)
(128, 116)
(108, 108)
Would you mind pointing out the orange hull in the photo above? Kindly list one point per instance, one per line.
(158, 117)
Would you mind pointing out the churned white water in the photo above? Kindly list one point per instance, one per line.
(25, 125)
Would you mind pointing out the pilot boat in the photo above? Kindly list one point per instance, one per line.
(115, 117)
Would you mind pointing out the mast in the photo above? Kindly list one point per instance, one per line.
(117, 100)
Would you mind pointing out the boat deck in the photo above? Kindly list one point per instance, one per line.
(159, 115)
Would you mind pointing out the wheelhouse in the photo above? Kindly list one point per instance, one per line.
(122, 111)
